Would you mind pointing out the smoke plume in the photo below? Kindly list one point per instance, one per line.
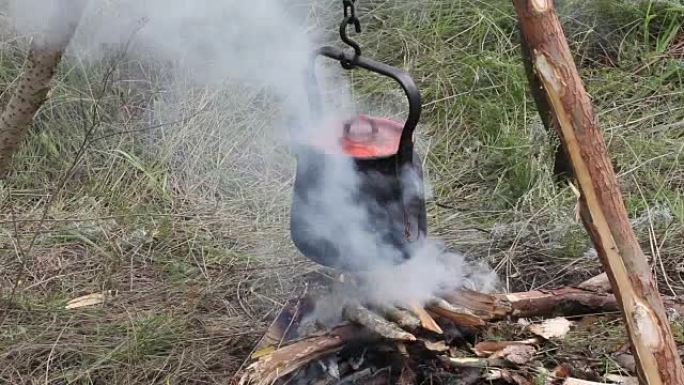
(266, 45)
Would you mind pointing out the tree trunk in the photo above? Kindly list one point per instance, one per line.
(33, 84)
(602, 206)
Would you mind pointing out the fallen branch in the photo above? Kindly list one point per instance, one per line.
(566, 301)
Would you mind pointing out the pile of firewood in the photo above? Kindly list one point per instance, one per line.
(432, 344)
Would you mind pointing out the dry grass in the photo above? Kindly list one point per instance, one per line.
(181, 213)
(184, 213)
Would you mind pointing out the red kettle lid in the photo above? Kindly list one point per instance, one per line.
(366, 137)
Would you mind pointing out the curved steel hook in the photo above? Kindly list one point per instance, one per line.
(405, 150)
(350, 20)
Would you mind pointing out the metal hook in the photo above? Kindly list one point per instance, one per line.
(350, 20)
(349, 9)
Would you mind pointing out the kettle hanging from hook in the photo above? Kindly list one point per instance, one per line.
(390, 182)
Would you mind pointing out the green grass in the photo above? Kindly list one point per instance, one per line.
(489, 158)
(184, 213)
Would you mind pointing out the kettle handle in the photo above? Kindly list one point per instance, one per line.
(405, 150)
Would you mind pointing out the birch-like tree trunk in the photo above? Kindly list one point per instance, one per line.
(33, 85)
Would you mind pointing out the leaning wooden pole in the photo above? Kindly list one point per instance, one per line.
(561, 164)
(603, 210)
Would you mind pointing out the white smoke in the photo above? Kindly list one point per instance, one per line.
(257, 43)
(50, 21)
(265, 45)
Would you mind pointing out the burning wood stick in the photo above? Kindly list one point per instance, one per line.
(426, 319)
(458, 315)
(376, 323)
(601, 204)
(281, 362)
(403, 318)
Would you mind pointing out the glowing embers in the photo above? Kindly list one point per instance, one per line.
(370, 137)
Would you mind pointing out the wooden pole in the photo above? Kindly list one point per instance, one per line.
(602, 206)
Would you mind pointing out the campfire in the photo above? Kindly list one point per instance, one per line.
(371, 344)
(360, 206)
(436, 343)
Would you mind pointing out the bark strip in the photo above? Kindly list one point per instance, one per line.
(375, 323)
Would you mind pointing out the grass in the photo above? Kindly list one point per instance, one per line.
(489, 158)
(184, 212)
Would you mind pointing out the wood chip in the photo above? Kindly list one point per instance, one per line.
(437, 346)
(426, 319)
(518, 379)
(599, 284)
(554, 328)
(375, 323)
(508, 376)
(516, 354)
(558, 374)
(487, 348)
(626, 361)
(623, 380)
(494, 375)
(472, 362)
(577, 381)
(88, 300)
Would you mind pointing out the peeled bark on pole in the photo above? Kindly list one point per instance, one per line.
(33, 84)
(561, 164)
(602, 206)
